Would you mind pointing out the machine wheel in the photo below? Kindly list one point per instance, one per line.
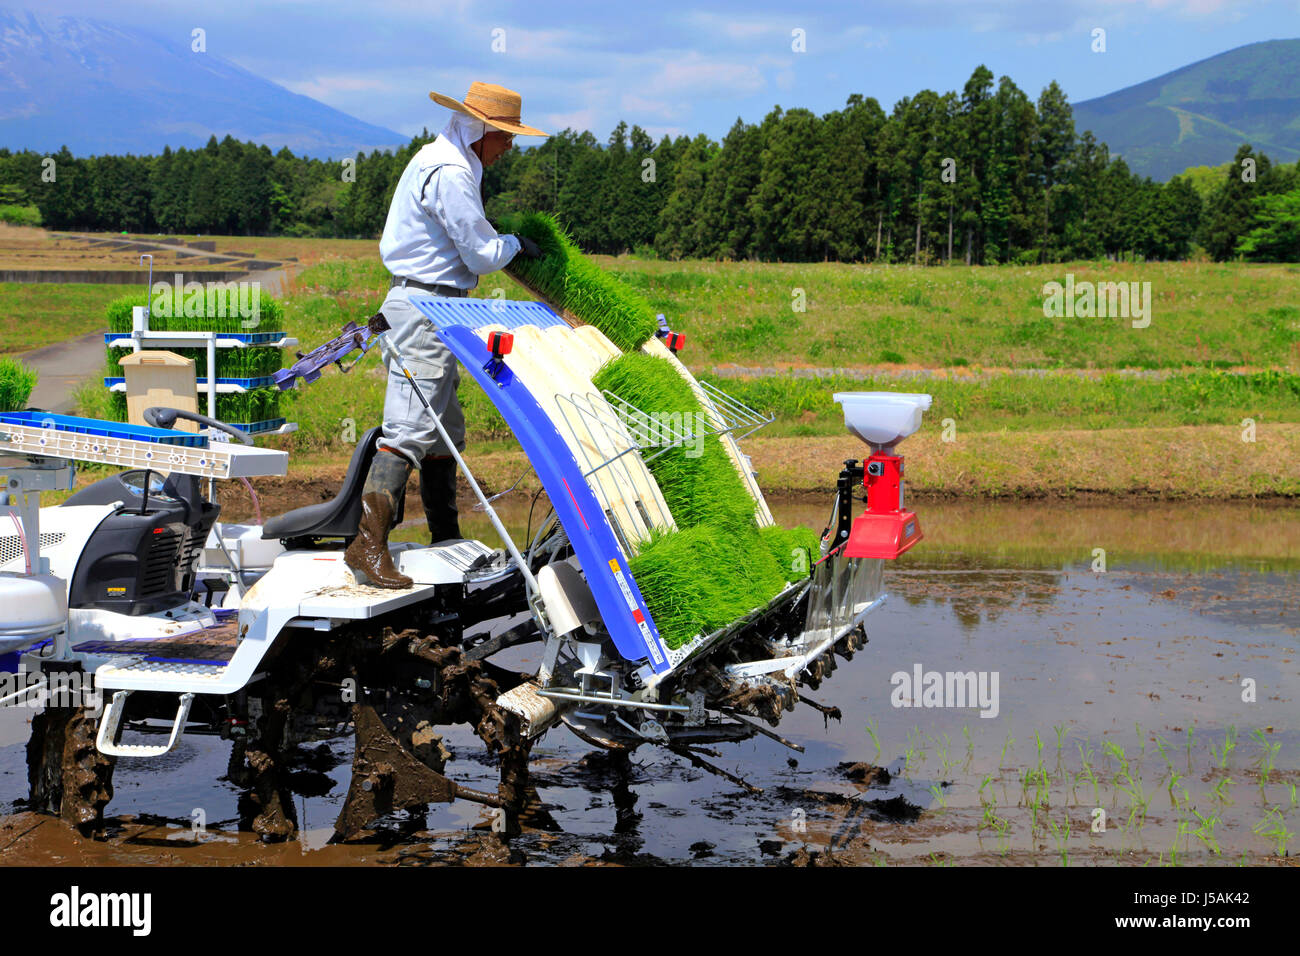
(67, 774)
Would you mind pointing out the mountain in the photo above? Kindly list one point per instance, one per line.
(100, 88)
(1200, 114)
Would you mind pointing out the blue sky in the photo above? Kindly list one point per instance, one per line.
(679, 67)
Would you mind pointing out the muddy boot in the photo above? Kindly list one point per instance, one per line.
(368, 552)
(438, 493)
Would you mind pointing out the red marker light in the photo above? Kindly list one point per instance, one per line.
(675, 341)
(500, 343)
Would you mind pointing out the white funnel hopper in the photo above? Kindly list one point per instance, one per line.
(883, 419)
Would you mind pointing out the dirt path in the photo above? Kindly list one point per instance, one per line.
(62, 368)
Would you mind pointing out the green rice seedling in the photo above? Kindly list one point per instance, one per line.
(1229, 744)
(1183, 831)
(1205, 832)
(937, 791)
(696, 487)
(1061, 834)
(699, 579)
(16, 384)
(569, 280)
(1010, 741)
(1162, 748)
(987, 804)
(1086, 754)
(970, 747)
(875, 739)
(1189, 749)
(1112, 749)
(1268, 751)
(1293, 796)
(1273, 826)
(1139, 800)
(945, 764)
(1221, 791)
(1175, 779)
(1003, 840)
(718, 565)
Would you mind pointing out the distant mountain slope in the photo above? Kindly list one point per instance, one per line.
(1199, 114)
(100, 88)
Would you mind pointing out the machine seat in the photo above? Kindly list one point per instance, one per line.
(329, 519)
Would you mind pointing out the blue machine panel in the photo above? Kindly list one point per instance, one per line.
(594, 542)
(446, 312)
(93, 426)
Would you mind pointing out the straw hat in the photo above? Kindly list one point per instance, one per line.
(494, 105)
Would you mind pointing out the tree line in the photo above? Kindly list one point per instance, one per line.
(982, 177)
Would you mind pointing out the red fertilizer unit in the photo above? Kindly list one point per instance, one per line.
(168, 622)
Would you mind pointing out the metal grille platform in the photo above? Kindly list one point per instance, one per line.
(446, 312)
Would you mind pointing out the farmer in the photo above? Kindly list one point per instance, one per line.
(436, 240)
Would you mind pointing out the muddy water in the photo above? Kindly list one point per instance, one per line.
(1118, 690)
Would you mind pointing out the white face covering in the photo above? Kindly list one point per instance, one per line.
(452, 146)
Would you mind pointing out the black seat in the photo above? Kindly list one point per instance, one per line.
(305, 527)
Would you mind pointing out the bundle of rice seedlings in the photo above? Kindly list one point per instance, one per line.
(569, 281)
(700, 579)
(718, 566)
(16, 384)
(270, 316)
(254, 362)
(697, 487)
(795, 550)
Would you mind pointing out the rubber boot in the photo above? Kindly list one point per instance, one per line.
(438, 493)
(368, 552)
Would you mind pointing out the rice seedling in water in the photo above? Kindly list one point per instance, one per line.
(1003, 840)
(1085, 758)
(1205, 832)
(1221, 791)
(1229, 744)
(1174, 780)
(1273, 826)
(1268, 751)
(970, 747)
(937, 791)
(944, 763)
(871, 732)
(1061, 834)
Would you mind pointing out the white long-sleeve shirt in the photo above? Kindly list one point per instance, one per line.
(436, 229)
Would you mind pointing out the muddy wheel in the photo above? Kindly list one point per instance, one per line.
(266, 807)
(67, 774)
(399, 759)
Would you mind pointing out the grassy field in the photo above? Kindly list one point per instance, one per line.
(36, 315)
(1202, 314)
(32, 316)
(968, 327)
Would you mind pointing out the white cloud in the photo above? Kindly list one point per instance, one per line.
(693, 72)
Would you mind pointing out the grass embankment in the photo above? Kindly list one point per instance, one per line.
(1014, 434)
(1202, 314)
(1011, 435)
